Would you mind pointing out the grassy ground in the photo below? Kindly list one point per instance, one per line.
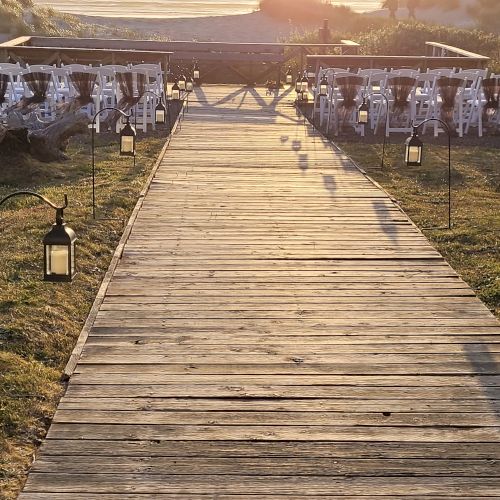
(39, 322)
(472, 246)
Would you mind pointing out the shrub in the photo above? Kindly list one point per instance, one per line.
(409, 39)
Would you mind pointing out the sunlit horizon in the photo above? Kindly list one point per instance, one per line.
(175, 8)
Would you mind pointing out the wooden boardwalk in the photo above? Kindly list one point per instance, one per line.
(276, 328)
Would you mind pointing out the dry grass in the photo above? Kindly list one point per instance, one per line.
(39, 322)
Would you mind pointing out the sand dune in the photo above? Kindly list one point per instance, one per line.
(254, 27)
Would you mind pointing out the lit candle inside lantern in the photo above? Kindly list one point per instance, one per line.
(160, 115)
(363, 117)
(127, 144)
(58, 259)
(413, 154)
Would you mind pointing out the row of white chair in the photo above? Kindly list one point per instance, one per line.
(426, 95)
(111, 85)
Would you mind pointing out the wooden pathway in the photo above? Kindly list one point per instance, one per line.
(276, 328)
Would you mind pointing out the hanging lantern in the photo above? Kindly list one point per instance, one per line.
(298, 84)
(304, 82)
(59, 252)
(414, 150)
(182, 82)
(189, 84)
(160, 112)
(127, 139)
(363, 113)
(176, 92)
(196, 71)
(323, 86)
(289, 76)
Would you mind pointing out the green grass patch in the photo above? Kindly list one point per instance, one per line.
(472, 246)
(40, 322)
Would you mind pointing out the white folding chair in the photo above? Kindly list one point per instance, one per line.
(344, 87)
(449, 93)
(401, 92)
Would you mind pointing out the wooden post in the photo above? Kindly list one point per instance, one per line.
(166, 70)
(324, 33)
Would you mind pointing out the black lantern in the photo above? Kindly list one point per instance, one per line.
(414, 150)
(160, 112)
(298, 84)
(323, 86)
(414, 154)
(127, 139)
(59, 252)
(289, 76)
(196, 71)
(189, 84)
(304, 83)
(182, 82)
(58, 244)
(363, 113)
(302, 97)
(176, 92)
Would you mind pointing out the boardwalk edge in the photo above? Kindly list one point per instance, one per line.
(117, 255)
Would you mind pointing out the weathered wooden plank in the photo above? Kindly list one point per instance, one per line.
(298, 449)
(311, 405)
(153, 364)
(284, 346)
(271, 418)
(282, 485)
(191, 496)
(270, 466)
(279, 391)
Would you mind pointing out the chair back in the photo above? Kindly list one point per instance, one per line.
(402, 89)
(349, 87)
(491, 90)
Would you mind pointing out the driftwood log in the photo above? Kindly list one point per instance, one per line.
(44, 141)
(23, 132)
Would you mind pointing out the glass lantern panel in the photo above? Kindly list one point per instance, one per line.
(363, 117)
(127, 145)
(196, 74)
(414, 154)
(57, 260)
(160, 116)
(176, 95)
(72, 259)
